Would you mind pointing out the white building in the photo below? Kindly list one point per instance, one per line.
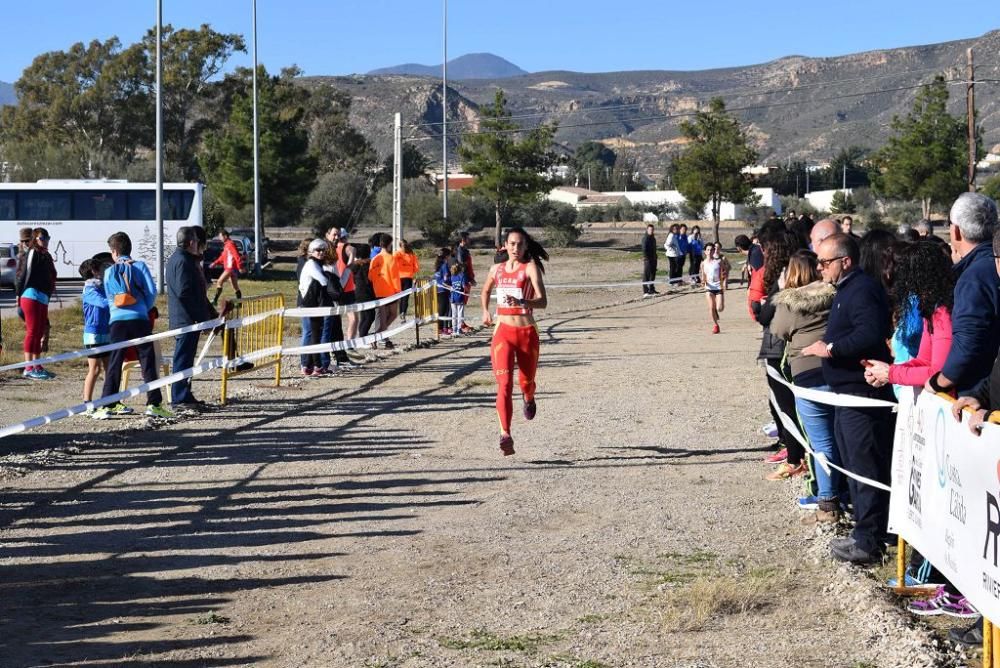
(822, 200)
(727, 210)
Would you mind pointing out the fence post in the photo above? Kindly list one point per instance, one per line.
(987, 643)
(417, 299)
(226, 333)
(432, 298)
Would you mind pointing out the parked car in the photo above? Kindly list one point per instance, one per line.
(8, 264)
(248, 232)
(214, 250)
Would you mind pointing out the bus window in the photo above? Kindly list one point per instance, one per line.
(176, 204)
(7, 209)
(99, 205)
(44, 205)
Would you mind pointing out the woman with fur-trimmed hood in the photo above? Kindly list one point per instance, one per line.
(802, 309)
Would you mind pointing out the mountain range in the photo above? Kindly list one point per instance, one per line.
(469, 66)
(794, 108)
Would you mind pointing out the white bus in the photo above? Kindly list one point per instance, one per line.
(80, 215)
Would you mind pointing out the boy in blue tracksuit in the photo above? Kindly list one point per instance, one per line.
(459, 292)
(131, 296)
(96, 323)
(442, 275)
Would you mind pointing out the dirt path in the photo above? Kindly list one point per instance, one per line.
(372, 522)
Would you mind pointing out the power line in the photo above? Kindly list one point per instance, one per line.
(736, 92)
(685, 114)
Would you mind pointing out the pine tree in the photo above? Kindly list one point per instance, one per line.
(926, 157)
(508, 170)
(710, 171)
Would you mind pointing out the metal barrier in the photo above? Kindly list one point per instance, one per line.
(424, 299)
(259, 336)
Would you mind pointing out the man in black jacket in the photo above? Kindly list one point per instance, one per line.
(188, 304)
(648, 263)
(858, 328)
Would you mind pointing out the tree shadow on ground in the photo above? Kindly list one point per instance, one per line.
(134, 569)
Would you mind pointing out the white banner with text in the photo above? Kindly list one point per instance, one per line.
(946, 495)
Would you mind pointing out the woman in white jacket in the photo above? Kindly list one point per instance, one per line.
(674, 257)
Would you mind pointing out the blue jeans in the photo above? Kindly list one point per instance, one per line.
(185, 348)
(817, 421)
(326, 337)
(306, 341)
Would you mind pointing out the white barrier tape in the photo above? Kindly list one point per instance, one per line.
(324, 311)
(199, 327)
(251, 319)
(670, 281)
(792, 428)
(361, 342)
(110, 399)
(830, 398)
(255, 355)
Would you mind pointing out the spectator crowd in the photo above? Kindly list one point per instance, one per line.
(864, 316)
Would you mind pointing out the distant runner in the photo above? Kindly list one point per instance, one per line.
(520, 290)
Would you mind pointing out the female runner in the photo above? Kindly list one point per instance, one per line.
(520, 290)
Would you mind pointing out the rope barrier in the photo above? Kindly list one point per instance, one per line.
(830, 399)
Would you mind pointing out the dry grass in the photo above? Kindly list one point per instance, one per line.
(693, 606)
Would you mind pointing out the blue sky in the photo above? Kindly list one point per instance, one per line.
(336, 37)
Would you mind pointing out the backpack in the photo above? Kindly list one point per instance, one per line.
(121, 283)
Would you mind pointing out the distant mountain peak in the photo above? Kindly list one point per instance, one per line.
(469, 66)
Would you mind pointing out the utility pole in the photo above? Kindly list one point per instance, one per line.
(258, 230)
(807, 179)
(970, 103)
(444, 115)
(843, 183)
(160, 268)
(397, 183)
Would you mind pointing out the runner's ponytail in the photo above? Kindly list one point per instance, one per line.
(536, 252)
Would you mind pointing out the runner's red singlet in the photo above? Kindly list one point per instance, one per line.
(514, 284)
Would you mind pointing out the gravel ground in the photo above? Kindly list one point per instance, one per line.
(369, 519)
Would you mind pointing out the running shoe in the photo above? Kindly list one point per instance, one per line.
(446, 331)
(926, 607)
(321, 372)
(777, 457)
(807, 503)
(105, 412)
(39, 374)
(26, 373)
(48, 374)
(506, 444)
(786, 470)
(770, 430)
(465, 328)
(530, 408)
(307, 371)
(647, 295)
(715, 329)
(970, 637)
(157, 410)
(959, 606)
(918, 581)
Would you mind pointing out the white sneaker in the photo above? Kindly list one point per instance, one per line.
(770, 430)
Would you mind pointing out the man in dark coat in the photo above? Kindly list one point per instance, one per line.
(188, 304)
(857, 330)
(649, 262)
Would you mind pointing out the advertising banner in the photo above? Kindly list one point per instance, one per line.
(945, 491)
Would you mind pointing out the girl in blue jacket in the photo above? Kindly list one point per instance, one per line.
(96, 323)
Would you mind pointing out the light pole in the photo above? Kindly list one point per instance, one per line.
(160, 272)
(258, 233)
(444, 113)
